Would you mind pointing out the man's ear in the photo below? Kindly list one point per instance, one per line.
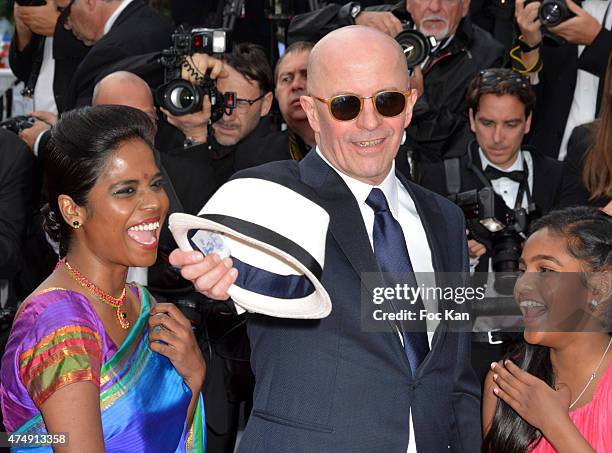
(528, 124)
(465, 8)
(411, 100)
(71, 211)
(472, 120)
(266, 103)
(308, 104)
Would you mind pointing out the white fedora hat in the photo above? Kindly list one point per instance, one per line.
(276, 238)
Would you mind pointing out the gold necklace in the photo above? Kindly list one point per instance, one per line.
(115, 302)
(592, 375)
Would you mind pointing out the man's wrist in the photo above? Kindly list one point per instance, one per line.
(594, 35)
(526, 46)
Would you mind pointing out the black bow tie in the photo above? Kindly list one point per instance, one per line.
(493, 173)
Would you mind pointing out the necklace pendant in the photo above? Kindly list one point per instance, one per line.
(122, 318)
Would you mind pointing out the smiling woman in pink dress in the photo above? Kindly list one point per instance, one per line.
(555, 393)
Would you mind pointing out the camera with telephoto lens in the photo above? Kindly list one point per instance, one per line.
(499, 228)
(18, 123)
(415, 45)
(552, 12)
(180, 96)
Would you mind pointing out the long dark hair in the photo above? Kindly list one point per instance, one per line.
(82, 140)
(588, 235)
(597, 172)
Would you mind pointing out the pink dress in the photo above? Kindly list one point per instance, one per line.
(593, 420)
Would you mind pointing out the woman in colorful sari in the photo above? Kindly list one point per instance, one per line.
(89, 355)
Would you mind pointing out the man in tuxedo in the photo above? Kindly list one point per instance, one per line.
(500, 105)
(500, 110)
(567, 65)
(328, 385)
(43, 54)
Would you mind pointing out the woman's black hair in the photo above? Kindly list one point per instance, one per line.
(81, 143)
(588, 235)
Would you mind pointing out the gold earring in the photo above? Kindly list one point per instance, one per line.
(76, 224)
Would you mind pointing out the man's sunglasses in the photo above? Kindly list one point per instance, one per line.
(347, 107)
(497, 75)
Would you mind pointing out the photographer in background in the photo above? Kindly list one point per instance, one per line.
(43, 54)
(31, 51)
(113, 30)
(439, 124)
(525, 182)
(236, 140)
(566, 60)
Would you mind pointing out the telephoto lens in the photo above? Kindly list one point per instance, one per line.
(180, 97)
(553, 12)
(416, 46)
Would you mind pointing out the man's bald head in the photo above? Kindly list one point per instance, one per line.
(358, 62)
(125, 88)
(355, 43)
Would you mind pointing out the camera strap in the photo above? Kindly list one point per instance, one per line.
(523, 188)
(523, 185)
(452, 172)
(30, 85)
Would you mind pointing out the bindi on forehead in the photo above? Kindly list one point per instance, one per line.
(146, 176)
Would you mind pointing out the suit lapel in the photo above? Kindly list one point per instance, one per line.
(128, 11)
(430, 216)
(540, 192)
(346, 223)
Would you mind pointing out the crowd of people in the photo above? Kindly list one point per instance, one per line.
(492, 154)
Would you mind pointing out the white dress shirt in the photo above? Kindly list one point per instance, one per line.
(404, 211)
(584, 103)
(107, 26)
(43, 91)
(506, 187)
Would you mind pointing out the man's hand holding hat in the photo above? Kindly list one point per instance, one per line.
(210, 275)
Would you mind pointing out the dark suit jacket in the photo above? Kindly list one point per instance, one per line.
(139, 29)
(547, 174)
(67, 53)
(16, 198)
(329, 386)
(573, 191)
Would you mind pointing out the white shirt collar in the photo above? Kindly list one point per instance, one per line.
(361, 190)
(517, 165)
(113, 17)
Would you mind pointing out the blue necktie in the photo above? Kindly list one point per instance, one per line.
(392, 256)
